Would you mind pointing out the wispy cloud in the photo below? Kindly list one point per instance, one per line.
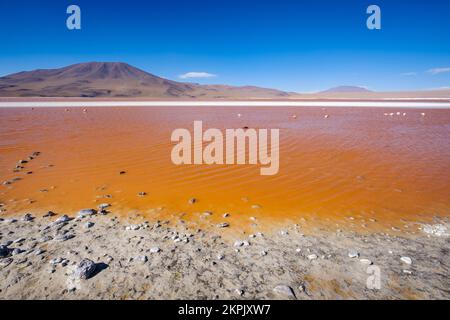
(436, 71)
(191, 75)
(409, 74)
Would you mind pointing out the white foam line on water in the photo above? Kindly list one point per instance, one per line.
(323, 104)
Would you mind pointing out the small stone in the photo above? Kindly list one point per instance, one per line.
(133, 227)
(263, 253)
(239, 292)
(220, 257)
(192, 201)
(4, 251)
(155, 250)
(406, 260)
(284, 233)
(298, 250)
(86, 212)
(89, 225)
(63, 237)
(256, 206)
(353, 254)
(409, 272)
(312, 257)
(240, 243)
(38, 252)
(223, 225)
(20, 240)
(365, 261)
(62, 219)
(27, 217)
(284, 291)
(55, 261)
(226, 215)
(49, 214)
(17, 251)
(85, 269)
(142, 194)
(103, 206)
(142, 259)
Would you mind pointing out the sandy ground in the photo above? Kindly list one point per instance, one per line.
(162, 260)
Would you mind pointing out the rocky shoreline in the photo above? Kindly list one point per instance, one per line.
(96, 255)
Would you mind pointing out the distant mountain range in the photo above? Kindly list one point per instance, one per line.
(114, 79)
(121, 80)
(346, 89)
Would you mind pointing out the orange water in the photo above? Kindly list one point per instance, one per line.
(357, 163)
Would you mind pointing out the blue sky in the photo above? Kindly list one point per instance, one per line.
(292, 45)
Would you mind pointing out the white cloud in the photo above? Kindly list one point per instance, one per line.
(436, 71)
(409, 74)
(191, 75)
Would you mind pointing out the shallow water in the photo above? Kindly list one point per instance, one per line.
(358, 163)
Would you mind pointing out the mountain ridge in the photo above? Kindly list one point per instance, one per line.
(117, 79)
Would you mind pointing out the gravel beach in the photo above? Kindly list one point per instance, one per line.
(100, 256)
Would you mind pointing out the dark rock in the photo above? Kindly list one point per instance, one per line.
(4, 251)
(27, 217)
(49, 214)
(85, 269)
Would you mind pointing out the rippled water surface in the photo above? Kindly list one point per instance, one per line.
(357, 163)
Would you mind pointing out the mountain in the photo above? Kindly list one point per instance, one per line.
(346, 89)
(116, 79)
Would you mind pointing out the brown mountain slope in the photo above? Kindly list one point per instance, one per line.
(114, 79)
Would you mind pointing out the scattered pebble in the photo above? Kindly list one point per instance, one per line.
(155, 250)
(240, 243)
(86, 213)
(49, 214)
(223, 225)
(142, 259)
(406, 260)
(239, 292)
(284, 290)
(353, 254)
(365, 261)
(27, 217)
(62, 219)
(104, 206)
(133, 227)
(89, 225)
